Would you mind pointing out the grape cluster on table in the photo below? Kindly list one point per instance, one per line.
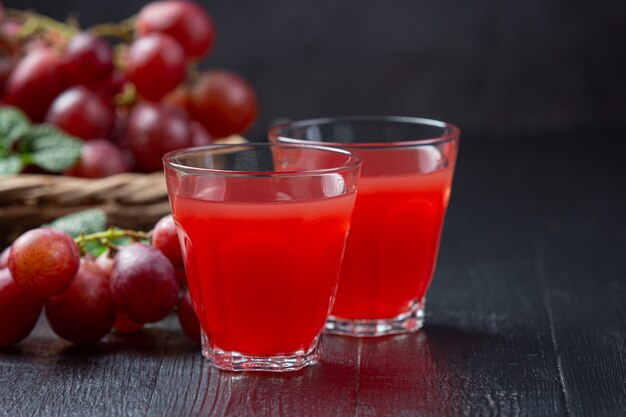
(133, 100)
(84, 297)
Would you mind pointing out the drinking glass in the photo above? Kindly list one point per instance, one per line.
(263, 229)
(408, 165)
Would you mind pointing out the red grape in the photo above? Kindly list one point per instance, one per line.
(223, 102)
(143, 283)
(110, 86)
(34, 82)
(44, 261)
(165, 238)
(6, 64)
(187, 22)
(88, 59)
(105, 262)
(156, 65)
(82, 113)
(153, 130)
(10, 29)
(84, 312)
(19, 310)
(99, 158)
(9, 36)
(188, 319)
(4, 257)
(178, 98)
(125, 325)
(199, 135)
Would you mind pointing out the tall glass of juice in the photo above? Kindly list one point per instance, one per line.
(408, 165)
(263, 229)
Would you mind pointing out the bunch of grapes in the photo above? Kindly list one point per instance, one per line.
(83, 296)
(131, 90)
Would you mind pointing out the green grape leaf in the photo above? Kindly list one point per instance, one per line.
(11, 164)
(51, 149)
(87, 221)
(95, 248)
(13, 126)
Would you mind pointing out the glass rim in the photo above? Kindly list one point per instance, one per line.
(451, 131)
(352, 162)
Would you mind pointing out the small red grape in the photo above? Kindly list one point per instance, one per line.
(188, 319)
(156, 65)
(179, 97)
(153, 130)
(88, 59)
(6, 65)
(84, 312)
(34, 82)
(44, 261)
(82, 113)
(165, 238)
(105, 262)
(19, 310)
(11, 42)
(125, 325)
(99, 158)
(185, 21)
(143, 283)
(223, 102)
(9, 33)
(199, 135)
(110, 86)
(4, 257)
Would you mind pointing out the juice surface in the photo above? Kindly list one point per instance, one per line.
(392, 247)
(262, 275)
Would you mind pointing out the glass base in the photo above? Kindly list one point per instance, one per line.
(407, 322)
(235, 361)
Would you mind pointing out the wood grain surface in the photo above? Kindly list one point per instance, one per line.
(526, 317)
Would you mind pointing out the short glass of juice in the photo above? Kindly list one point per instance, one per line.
(263, 229)
(408, 166)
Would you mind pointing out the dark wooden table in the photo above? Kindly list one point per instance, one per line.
(526, 316)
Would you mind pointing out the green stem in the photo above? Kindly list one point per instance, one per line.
(105, 238)
(127, 97)
(33, 23)
(193, 73)
(123, 30)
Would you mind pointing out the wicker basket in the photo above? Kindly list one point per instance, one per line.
(134, 201)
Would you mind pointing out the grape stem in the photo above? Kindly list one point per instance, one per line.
(122, 30)
(106, 237)
(127, 97)
(34, 23)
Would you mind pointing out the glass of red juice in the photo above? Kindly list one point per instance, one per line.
(408, 165)
(263, 229)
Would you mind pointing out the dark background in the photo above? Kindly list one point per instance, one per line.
(504, 69)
